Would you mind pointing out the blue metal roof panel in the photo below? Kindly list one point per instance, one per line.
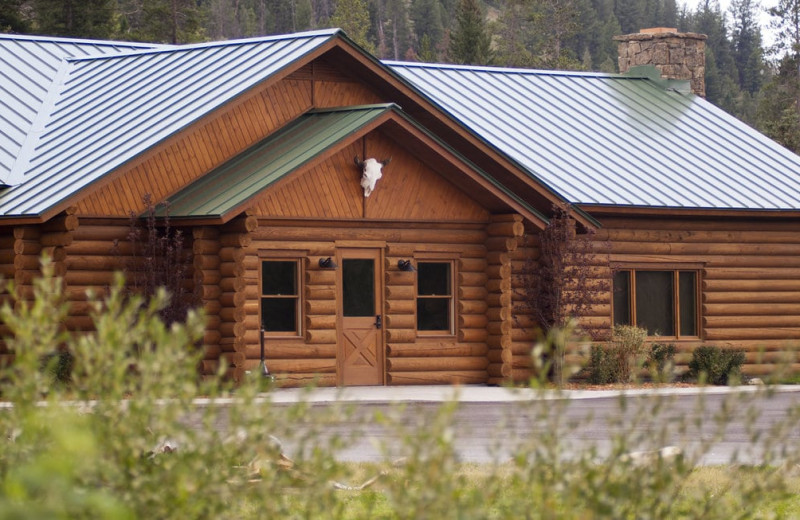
(28, 65)
(110, 109)
(615, 140)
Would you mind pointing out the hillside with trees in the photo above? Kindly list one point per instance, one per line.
(759, 85)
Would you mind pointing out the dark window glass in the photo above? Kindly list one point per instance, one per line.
(358, 287)
(434, 296)
(622, 298)
(433, 278)
(279, 314)
(279, 296)
(279, 277)
(654, 302)
(433, 314)
(687, 298)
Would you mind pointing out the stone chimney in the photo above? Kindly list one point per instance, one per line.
(676, 55)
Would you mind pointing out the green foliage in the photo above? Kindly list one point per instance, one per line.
(352, 16)
(470, 42)
(716, 366)
(661, 362)
(137, 434)
(618, 361)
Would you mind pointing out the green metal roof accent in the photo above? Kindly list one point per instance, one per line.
(233, 183)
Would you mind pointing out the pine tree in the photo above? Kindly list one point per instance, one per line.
(470, 42)
(11, 19)
(164, 21)
(352, 16)
(74, 18)
(426, 16)
(778, 113)
(746, 42)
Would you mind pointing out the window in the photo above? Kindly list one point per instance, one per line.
(435, 297)
(280, 297)
(663, 302)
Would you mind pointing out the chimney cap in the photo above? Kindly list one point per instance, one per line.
(658, 30)
(658, 33)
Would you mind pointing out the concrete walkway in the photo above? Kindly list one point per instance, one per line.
(484, 394)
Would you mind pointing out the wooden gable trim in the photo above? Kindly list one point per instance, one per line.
(470, 172)
(403, 125)
(383, 80)
(190, 130)
(434, 118)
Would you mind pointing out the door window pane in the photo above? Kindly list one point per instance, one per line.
(358, 287)
(654, 302)
(687, 302)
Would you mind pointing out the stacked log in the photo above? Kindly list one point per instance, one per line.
(748, 275)
(525, 326)
(503, 233)
(206, 262)
(401, 306)
(235, 289)
(98, 249)
(313, 357)
(6, 274)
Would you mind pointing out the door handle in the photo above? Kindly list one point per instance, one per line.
(378, 321)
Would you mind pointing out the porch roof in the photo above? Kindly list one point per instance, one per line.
(218, 194)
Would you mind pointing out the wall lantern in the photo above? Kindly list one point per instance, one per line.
(327, 263)
(405, 265)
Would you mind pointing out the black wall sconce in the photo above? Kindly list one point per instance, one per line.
(327, 263)
(405, 265)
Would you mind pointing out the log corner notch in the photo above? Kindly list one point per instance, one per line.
(20, 258)
(31, 242)
(503, 235)
(234, 291)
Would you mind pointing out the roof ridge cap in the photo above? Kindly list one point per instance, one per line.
(165, 48)
(496, 69)
(64, 39)
(32, 136)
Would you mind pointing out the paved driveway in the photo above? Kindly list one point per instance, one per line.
(717, 425)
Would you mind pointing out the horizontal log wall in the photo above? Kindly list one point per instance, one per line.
(410, 359)
(525, 330)
(750, 293)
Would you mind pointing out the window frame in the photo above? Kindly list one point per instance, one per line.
(299, 260)
(453, 305)
(675, 270)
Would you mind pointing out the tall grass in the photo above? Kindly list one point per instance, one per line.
(136, 433)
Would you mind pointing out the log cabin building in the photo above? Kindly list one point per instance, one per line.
(258, 147)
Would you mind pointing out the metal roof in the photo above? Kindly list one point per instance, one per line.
(102, 111)
(615, 140)
(233, 183)
(28, 66)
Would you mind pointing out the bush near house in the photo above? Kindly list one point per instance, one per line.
(716, 366)
(617, 361)
(117, 443)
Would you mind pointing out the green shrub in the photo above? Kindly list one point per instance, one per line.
(129, 438)
(716, 366)
(601, 365)
(618, 361)
(661, 362)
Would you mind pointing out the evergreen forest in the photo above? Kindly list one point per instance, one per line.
(758, 83)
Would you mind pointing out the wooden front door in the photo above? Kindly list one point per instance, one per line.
(361, 355)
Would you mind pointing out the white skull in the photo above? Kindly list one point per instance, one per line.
(370, 173)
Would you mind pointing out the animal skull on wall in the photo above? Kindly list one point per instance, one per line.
(370, 172)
